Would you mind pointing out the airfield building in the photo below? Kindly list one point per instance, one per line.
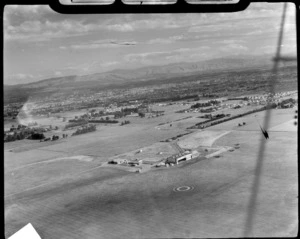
(175, 159)
(135, 162)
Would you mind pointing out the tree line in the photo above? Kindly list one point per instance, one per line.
(215, 122)
(85, 129)
(125, 122)
(74, 124)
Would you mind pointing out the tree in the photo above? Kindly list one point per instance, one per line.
(107, 118)
(142, 115)
(9, 138)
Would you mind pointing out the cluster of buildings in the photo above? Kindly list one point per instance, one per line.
(169, 161)
(253, 100)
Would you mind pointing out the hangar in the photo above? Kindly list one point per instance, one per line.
(175, 159)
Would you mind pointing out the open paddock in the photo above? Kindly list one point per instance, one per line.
(48, 171)
(64, 197)
(145, 205)
(253, 121)
(204, 138)
(28, 160)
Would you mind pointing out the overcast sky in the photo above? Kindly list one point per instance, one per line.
(40, 43)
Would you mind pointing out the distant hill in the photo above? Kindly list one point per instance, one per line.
(125, 77)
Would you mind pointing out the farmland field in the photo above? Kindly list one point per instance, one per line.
(54, 195)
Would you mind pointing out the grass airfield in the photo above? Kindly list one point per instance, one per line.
(78, 198)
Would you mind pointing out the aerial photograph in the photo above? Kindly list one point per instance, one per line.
(171, 125)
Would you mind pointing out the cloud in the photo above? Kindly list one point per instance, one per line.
(180, 54)
(16, 14)
(234, 48)
(41, 23)
(123, 43)
(58, 73)
(80, 68)
(177, 38)
(28, 23)
(144, 57)
(207, 28)
(109, 64)
(90, 67)
(288, 49)
(126, 27)
(159, 38)
(172, 39)
(43, 31)
(87, 46)
(19, 78)
(160, 41)
(107, 43)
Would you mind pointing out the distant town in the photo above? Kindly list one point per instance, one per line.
(112, 106)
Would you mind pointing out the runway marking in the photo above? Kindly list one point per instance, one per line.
(183, 188)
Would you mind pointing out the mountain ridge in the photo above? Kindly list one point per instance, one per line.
(141, 77)
(151, 72)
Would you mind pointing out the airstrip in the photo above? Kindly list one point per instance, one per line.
(65, 190)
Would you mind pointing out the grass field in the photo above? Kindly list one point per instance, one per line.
(65, 197)
(204, 138)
